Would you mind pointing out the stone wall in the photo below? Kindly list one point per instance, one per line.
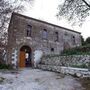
(79, 72)
(17, 36)
(66, 60)
(63, 64)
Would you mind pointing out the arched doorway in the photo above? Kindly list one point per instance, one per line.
(25, 57)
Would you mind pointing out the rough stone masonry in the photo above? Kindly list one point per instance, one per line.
(63, 64)
(26, 35)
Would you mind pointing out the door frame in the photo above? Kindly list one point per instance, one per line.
(25, 47)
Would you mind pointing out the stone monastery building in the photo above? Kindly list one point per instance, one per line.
(27, 35)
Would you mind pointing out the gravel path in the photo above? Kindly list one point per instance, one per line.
(35, 79)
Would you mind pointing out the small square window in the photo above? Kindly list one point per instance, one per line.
(66, 34)
(52, 49)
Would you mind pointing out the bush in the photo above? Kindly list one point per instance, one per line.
(87, 40)
(80, 66)
(4, 66)
(82, 50)
(82, 40)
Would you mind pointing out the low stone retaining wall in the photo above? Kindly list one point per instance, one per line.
(63, 64)
(66, 60)
(79, 72)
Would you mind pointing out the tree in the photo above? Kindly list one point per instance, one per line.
(6, 8)
(87, 40)
(75, 11)
(82, 40)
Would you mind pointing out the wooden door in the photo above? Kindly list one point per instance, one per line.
(22, 59)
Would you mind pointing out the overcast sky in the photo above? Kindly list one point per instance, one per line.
(46, 10)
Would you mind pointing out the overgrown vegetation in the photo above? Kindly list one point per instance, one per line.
(5, 66)
(80, 66)
(81, 50)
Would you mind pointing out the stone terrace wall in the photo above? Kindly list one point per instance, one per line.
(62, 64)
(79, 72)
(66, 60)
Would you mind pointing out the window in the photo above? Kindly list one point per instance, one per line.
(52, 49)
(44, 34)
(29, 29)
(66, 34)
(56, 36)
(73, 40)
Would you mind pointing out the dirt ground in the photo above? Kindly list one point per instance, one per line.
(35, 79)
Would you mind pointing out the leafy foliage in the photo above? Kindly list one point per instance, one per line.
(4, 66)
(88, 40)
(82, 40)
(82, 50)
(80, 66)
(85, 42)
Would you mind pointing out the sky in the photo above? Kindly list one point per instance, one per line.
(46, 10)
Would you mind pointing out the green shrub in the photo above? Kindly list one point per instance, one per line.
(82, 50)
(87, 40)
(82, 40)
(80, 66)
(4, 66)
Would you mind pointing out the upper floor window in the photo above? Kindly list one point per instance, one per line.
(45, 34)
(29, 30)
(56, 36)
(66, 34)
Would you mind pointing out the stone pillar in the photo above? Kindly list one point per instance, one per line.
(14, 58)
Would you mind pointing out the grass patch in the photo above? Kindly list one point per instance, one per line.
(80, 66)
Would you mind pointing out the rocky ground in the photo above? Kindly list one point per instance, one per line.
(35, 79)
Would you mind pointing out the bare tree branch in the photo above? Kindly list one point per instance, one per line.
(86, 3)
(6, 8)
(75, 11)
